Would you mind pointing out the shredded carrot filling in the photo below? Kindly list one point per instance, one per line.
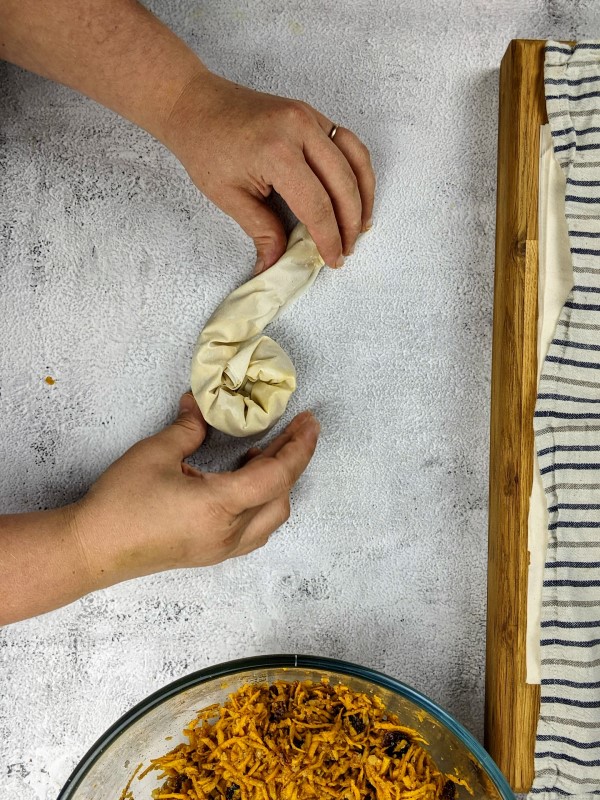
(300, 741)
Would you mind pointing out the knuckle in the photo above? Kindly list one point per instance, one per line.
(352, 189)
(229, 541)
(356, 229)
(290, 480)
(286, 480)
(219, 511)
(351, 183)
(363, 152)
(322, 210)
(285, 509)
(297, 112)
(187, 422)
(352, 229)
(280, 150)
(258, 543)
(269, 239)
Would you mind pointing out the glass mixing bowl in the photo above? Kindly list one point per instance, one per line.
(141, 734)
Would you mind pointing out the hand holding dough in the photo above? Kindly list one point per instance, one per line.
(242, 380)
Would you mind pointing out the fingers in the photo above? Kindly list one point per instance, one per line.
(273, 473)
(186, 434)
(262, 225)
(330, 185)
(359, 160)
(275, 446)
(335, 173)
(252, 453)
(264, 522)
(310, 202)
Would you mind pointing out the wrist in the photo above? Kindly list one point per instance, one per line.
(108, 544)
(192, 112)
(94, 545)
(74, 523)
(42, 564)
(169, 125)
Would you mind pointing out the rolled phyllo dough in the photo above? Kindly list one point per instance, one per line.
(241, 379)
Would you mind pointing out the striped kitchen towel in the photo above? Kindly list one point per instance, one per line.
(567, 430)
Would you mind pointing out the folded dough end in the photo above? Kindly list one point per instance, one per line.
(247, 393)
(241, 379)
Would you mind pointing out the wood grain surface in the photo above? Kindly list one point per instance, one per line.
(512, 706)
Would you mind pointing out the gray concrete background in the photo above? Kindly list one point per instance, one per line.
(110, 262)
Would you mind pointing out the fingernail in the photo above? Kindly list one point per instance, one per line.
(259, 266)
(301, 419)
(339, 263)
(187, 404)
(308, 418)
(368, 225)
(311, 423)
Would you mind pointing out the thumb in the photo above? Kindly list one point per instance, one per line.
(187, 433)
(264, 226)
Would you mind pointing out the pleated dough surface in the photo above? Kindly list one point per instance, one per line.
(241, 379)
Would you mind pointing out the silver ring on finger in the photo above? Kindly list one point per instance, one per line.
(333, 131)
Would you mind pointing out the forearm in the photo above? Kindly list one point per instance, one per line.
(114, 51)
(41, 563)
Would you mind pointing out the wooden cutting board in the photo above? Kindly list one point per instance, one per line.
(512, 706)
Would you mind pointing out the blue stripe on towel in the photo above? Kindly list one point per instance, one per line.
(577, 199)
(571, 97)
(570, 448)
(566, 422)
(570, 361)
(574, 524)
(575, 584)
(569, 465)
(571, 759)
(577, 345)
(573, 684)
(579, 506)
(573, 643)
(560, 623)
(567, 740)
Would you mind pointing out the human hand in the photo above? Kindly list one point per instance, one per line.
(151, 511)
(238, 144)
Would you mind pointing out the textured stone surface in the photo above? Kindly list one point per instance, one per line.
(110, 262)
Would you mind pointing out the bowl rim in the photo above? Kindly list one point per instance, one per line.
(282, 661)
